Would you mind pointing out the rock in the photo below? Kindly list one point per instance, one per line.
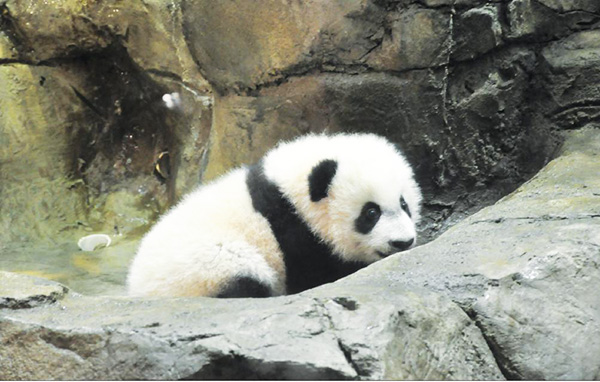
(476, 31)
(38, 198)
(52, 176)
(417, 38)
(50, 31)
(410, 334)
(563, 6)
(570, 70)
(534, 20)
(7, 50)
(246, 128)
(127, 212)
(23, 292)
(103, 57)
(96, 170)
(522, 269)
(307, 35)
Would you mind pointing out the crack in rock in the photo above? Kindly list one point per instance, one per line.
(501, 360)
(538, 218)
(345, 350)
(31, 301)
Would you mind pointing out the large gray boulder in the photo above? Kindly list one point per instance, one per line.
(526, 269)
(509, 292)
(406, 334)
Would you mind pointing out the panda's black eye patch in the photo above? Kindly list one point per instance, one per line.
(404, 206)
(369, 216)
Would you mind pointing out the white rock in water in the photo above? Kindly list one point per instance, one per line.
(91, 242)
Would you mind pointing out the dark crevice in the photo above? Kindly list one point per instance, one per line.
(319, 69)
(19, 61)
(346, 351)
(538, 218)
(574, 11)
(165, 74)
(130, 124)
(504, 363)
(228, 366)
(88, 103)
(197, 337)
(348, 355)
(177, 79)
(7, 26)
(32, 301)
(576, 104)
(371, 50)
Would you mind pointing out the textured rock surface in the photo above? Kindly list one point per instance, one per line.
(508, 292)
(526, 268)
(86, 77)
(470, 89)
(18, 292)
(410, 334)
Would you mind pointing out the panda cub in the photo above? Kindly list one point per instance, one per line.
(311, 211)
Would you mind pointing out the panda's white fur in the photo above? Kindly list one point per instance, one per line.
(212, 235)
(215, 234)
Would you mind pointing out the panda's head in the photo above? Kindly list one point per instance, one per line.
(356, 192)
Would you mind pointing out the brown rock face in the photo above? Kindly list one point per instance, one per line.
(460, 86)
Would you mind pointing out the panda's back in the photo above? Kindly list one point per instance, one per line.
(213, 222)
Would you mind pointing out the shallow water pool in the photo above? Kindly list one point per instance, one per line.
(99, 272)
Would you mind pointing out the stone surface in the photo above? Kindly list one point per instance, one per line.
(7, 51)
(21, 292)
(277, 39)
(408, 334)
(536, 20)
(571, 67)
(47, 31)
(416, 38)
(524, 268)
(476, 31)
(92, 70)
(39, 199)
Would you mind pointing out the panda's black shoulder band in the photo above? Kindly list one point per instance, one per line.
(320, 179)
(308, 260)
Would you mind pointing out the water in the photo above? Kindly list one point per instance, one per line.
(100, 272)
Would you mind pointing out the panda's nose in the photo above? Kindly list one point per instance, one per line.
(401, 245)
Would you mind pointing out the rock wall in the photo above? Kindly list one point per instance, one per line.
(472, 90)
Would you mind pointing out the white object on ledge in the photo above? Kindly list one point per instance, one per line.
(91, 242)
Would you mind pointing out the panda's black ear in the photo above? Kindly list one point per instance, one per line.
(320, 179)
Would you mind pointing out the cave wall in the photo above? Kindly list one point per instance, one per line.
(473, 91)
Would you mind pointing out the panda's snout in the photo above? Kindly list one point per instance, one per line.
(401, 245)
